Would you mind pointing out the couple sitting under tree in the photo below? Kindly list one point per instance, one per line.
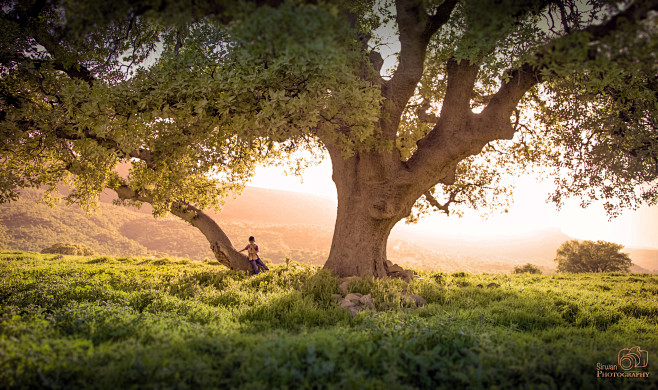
(252, 253)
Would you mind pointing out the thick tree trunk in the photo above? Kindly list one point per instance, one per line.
(371, 200)
(359, 243)
(220, 244)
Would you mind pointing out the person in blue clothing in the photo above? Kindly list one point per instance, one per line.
(254, 259)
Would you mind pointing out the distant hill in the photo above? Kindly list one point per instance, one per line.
(280, 207)
(644, 260)
(285, 223)
(536, 247)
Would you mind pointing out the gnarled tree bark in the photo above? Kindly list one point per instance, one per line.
(373, 195)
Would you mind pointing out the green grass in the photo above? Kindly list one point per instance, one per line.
(104, 322)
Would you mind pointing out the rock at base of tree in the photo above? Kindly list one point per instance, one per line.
(344, 283)
(395, 271)
(367, 302)
(345, 304)
(408, 299)
(356, 302)
(354, 298)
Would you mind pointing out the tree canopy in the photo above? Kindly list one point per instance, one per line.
(193, 95)
(589, 256)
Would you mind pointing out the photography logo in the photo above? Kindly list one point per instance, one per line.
(630, 358)
(631, 363)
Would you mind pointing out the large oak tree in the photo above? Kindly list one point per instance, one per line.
(180, 90)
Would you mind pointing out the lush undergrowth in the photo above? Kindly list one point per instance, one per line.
(104, 322)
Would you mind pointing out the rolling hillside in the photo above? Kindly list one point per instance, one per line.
(289, 224)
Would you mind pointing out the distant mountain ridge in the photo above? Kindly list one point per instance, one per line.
(286, 224)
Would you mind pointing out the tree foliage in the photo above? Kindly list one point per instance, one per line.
(69, 248)
(589, 256)
(75, 105)
(588, 117)
(606, 144)
(191, 104)
(85, 86)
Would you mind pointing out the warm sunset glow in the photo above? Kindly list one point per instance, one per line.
(529, 212)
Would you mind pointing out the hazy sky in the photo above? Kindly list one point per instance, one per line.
(528, 213)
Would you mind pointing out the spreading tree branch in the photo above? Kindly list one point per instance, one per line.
(524, 77)
(220, 244)
(416, 30)
(455, 113)
(144, 155)
(457, 136)
(445, 207)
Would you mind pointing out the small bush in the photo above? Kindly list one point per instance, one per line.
(163, 261)
(291, 311)
(68, 248)
(527, 269)
(462, 283)
(439, 278)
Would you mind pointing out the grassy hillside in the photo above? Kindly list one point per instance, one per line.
(31, 225)
(131, 322)
(122, 231)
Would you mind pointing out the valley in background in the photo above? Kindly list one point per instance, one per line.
(286, 224)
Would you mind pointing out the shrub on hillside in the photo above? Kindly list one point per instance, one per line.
(589, 256)
(527, 269)
(68, 248)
